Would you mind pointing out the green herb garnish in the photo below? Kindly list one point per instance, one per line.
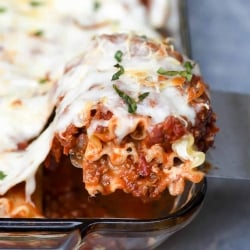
(2, 175)
(43, 80)
(162, 71)
(38, 33)
(132, 104)
(188, 66)
(118, 55)
(187, 73)
(35, 3)
(143, 96)
(144, 37)
(2, 10)
(96, 5)
(117, 75)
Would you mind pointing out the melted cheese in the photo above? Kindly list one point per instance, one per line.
(158, 12)
(22, 165)
(22, 119)
(89, 83)
(37, 38)
(35, 44)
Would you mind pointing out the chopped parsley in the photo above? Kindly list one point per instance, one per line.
(43, 80)
(2, 175)
(144, 37)
(188, 66)
(117, 75)
(2, 10)
(118, 56)
(96, 5)
(36, 3)
(132, 104)
(38, 33)
(143, 96)
(187, 73)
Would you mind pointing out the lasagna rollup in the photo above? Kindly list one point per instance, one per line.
(15, 205)
(24, 84)
(131, 112)
(49, 33)
(135, 115)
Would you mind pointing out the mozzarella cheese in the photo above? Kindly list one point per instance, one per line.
(89, 83)
(37, 38)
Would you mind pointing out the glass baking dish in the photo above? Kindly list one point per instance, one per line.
(120, 232)
(104, 233)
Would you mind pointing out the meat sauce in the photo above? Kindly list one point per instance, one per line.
(64, 196)
(140, 180)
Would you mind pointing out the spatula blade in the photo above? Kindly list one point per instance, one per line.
(231, 156)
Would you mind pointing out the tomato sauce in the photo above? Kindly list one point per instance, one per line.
(64, 196)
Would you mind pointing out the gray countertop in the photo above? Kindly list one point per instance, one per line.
(220, 39)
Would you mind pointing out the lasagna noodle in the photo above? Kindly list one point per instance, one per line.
(144, 152)
(15, 205)
(116, 149)
(136, 168)
(38, 28)
(24, 84)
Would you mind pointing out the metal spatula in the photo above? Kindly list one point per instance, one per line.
(231, 156)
